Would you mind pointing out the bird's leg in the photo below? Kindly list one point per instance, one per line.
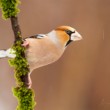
(30, 81)
(25, 43)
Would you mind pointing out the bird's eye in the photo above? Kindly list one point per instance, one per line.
(69, 32)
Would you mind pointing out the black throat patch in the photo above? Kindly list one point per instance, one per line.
(68, 42)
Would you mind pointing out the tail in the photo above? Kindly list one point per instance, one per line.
(10, 53)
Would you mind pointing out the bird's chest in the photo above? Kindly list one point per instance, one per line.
(41, 55)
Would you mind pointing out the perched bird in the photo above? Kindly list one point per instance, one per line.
(44, 49)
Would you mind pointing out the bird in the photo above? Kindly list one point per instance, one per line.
(44, 49)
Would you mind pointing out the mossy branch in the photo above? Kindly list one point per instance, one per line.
(24, 94)
(9, 8)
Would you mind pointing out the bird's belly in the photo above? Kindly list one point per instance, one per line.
(41, 53)
(41, 59)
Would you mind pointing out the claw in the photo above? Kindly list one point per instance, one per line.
(25, 44)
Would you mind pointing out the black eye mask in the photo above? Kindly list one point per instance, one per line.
(69, 33)
(68, 42)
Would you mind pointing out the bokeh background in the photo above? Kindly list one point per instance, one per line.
(80, 80)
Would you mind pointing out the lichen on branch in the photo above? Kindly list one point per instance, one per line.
(25, 98)
(9, 8)
(22, 92)
(19, 63)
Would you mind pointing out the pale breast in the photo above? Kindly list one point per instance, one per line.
(42, 52)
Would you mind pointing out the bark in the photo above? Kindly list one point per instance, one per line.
(17, 36)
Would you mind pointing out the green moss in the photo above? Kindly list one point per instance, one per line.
(9, 8)
(25, 98)
(19, 62)
(24, 95)
(0, 3)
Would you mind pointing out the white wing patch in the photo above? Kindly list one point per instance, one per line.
(40, 36)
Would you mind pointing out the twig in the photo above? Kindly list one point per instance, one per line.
(17, 36)
(15, 27)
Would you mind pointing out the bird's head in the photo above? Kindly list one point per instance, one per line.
(67, 34)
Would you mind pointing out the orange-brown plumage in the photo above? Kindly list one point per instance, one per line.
(62, 35)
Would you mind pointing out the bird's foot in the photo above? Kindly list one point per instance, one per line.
(25, 44)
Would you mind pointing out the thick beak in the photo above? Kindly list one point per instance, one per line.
(76, 36)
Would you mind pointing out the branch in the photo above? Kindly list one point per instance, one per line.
(15, 27)
(22, 92)
(17, 36)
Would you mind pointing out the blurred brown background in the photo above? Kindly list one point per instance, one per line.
(80, 80)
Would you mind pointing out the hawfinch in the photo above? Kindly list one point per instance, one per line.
(44, 49)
